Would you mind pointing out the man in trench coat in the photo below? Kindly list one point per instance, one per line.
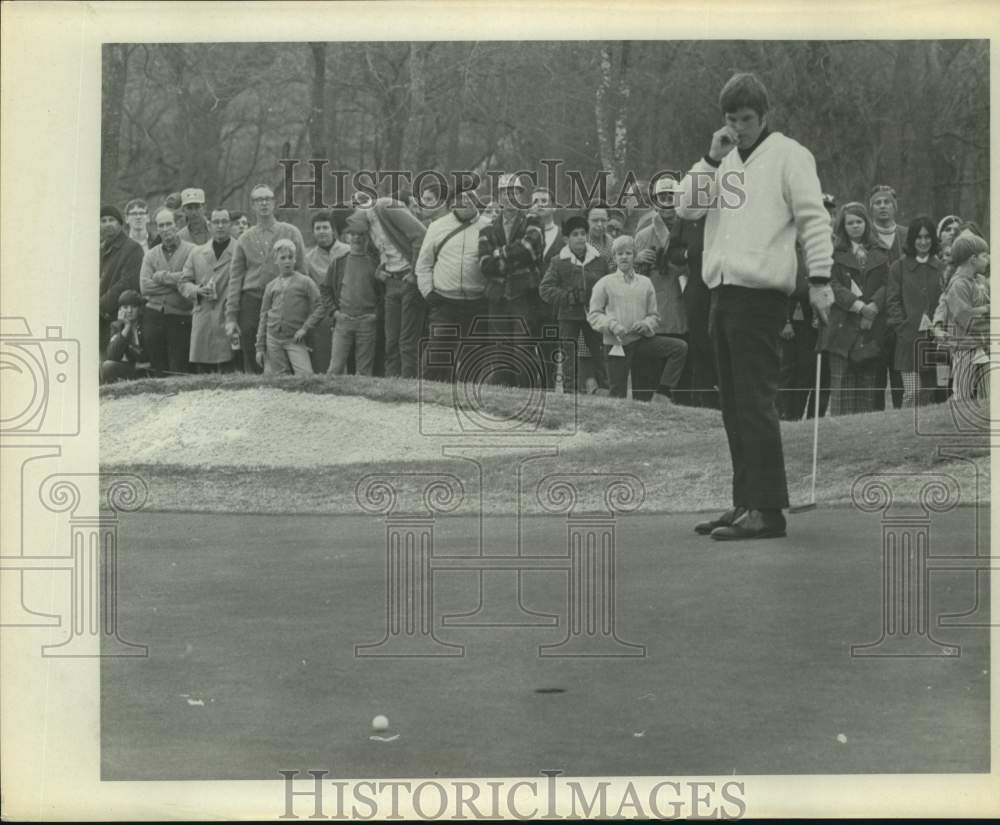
(205, 282)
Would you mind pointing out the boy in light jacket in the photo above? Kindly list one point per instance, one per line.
(291, 306)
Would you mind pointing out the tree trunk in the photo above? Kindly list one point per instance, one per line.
(602, 116)
(317, 115)
(621, 119)
(114, 74)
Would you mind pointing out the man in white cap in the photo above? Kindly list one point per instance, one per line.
(196, 229)
(652, 242)
(511, 250)
(253, 268)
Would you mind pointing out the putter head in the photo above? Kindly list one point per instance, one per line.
(803, 508)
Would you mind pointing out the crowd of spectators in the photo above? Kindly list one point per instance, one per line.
(606, 300)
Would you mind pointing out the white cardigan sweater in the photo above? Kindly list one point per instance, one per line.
(755, 211)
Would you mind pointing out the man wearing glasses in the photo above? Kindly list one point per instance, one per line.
(253, 268)
(137, 216)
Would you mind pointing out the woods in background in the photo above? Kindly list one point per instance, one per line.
(220, 116)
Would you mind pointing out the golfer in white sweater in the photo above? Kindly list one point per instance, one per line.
(759, 191)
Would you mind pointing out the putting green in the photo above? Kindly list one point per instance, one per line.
(252, 623)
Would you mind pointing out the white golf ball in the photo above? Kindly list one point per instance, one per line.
(380, 723)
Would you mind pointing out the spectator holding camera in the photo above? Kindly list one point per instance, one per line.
(126, 358)
(510, 255)
(121, 260)
(623, 308)
(450, 280)
(166, 318)
(567, 286)
(290, 307)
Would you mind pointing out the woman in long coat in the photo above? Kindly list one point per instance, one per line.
(855, 336)
(205, 282)
(912, 295)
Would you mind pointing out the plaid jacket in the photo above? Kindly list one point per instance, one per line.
(512, 266)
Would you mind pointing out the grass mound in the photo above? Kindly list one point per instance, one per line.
(680, 454)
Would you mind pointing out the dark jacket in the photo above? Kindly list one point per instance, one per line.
(121, 260)
(119, 348)
(569, 281)
(404, 230)
(844, 330)
(511, 268)
(331, 285)
(687, 243)
(895, 252)
(912, 291)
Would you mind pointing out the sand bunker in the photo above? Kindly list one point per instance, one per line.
(272, 428)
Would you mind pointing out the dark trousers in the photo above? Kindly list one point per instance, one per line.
(320, 341)
(167, 341)
(114, 371)
(533, 362)
(223, 368)
(699, 378)
(569, 330)
(652, 362)
(746, 325)
(405, 310)
(798, 375)
(450, 324)
(103, 337)
(248, 320)
(888, 377)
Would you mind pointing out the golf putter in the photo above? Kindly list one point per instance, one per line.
(811, 505)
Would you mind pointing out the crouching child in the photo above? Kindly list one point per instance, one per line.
(623, 308)
(126, 359)
(291, 306)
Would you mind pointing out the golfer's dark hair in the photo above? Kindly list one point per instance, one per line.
(841, 241)
(918, 223)
(324, 215)
(235, 216)
(744, 90)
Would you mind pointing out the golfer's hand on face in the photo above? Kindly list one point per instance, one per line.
(723, 142)
(821, 299)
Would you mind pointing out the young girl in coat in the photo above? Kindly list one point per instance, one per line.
(967, 310)
(855, 336)
(911, 298)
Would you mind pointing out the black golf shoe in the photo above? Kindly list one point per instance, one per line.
(704, 528)
(753, 524)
